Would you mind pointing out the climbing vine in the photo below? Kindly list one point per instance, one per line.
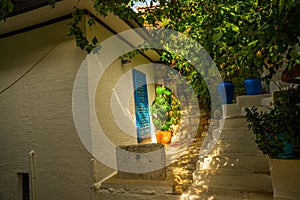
(76, 31)
(244, 38)
(6, 7)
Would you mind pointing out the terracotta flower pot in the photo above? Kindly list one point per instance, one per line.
(164, 137)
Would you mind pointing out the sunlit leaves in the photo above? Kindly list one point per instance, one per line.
(76, 31)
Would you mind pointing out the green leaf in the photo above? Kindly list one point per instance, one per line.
(235, 28)
(95, 40)
(91, 22)
(10, 6)
(253, 43)
(217, 36)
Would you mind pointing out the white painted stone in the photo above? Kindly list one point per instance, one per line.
(234, 180)
(285, 178)
(143, 162)
(230, 110)
(237, 147)
(230, 123)
(221, 193)
(249, 100)
(236, 134)
(259, 109)
(236, 162)
(139, 186)
(267, 101)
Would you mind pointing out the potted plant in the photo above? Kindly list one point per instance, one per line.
(278, 135)
(165, 112)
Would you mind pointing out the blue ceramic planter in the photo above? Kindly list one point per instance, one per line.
(226, 92)
(253, 86)
(288, 148)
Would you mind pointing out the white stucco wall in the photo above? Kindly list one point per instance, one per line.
(111, 100)
(36, 114)
(37, 73)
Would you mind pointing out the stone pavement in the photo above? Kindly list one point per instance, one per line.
(183, 167)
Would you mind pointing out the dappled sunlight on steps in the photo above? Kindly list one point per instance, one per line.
(235, 168)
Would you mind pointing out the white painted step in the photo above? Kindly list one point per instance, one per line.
(259, 109)
(250, 100)
(132, 185)
(234, 134)
(121, 194)
(231, 123)
(251, 163)
(231, 110)
(241, 180)
(238, 147)
(267, 101)
(220, 193)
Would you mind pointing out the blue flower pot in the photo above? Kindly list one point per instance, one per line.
(253, 86)
(288, 148)
(226, 92)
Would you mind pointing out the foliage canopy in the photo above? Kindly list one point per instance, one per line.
(245, 39)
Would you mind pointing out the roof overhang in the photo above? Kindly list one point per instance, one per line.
(41, 15)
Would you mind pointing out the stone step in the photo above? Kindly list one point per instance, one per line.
(254, 163)
(236, 122)
(259, 109)
(242, 147)
(139, 186)
(231, 110)
(267, 101)
(220, 193)
(238, 109)
(250, 100)
(230, 179)
(233, 134)
(121, 194)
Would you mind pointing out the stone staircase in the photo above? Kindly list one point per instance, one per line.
(234, 169)
(235, 166)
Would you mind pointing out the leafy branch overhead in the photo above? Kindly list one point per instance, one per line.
(245, 39)
(76, 31)
(6, 7)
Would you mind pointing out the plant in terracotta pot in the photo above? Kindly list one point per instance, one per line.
(165, 112)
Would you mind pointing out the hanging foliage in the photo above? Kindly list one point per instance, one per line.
(245, 39)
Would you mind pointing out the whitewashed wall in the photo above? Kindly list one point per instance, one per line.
(36, 114)
(111, 98)
(37, 73)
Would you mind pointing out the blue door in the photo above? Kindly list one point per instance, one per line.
(141, 106)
